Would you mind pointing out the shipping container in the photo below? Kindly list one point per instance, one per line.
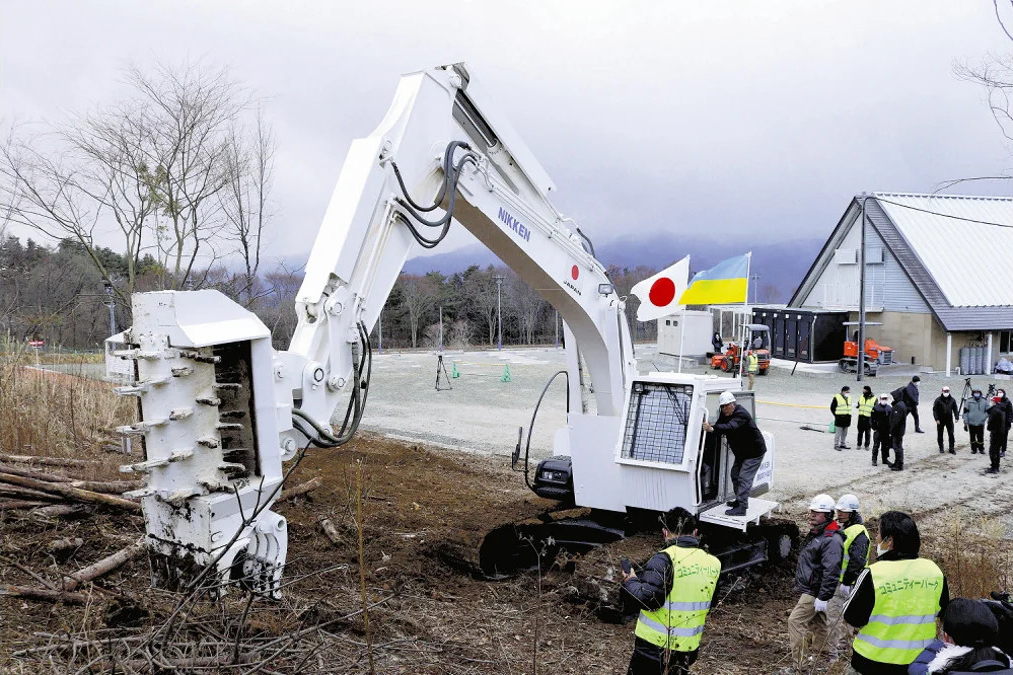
(805, 335)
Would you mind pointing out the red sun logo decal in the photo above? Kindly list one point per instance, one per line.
(574, 272)
(662, 292)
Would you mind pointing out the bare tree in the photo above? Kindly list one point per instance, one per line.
(479, 288)
(245, 199)
(148, 169)
(526, 305)
(418, 296)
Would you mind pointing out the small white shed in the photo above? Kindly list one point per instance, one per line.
(687, 333)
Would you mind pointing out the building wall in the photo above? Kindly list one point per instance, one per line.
(917, 335)
(886, 284)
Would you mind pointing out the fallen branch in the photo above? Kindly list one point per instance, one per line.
(70, 492)
(300, 489)
(29, 473)
(48, 461)
(20, 504)
(60, 545)
(104, 566)
(108, 486)
(332, 533)
(43, 594)
(17, 491)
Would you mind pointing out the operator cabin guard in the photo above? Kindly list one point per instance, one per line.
(747, 444)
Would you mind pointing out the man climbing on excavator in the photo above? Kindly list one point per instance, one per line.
(747, 444)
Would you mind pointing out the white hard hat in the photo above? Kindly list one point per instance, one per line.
(847, 503)
(726, 398)
(824, 503)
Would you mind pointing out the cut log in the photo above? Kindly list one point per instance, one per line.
(104, 566)
(19, 504)
(73, 493)
(22, 492)
(60, 545)
(48, 461)
(57, 510)
(44, 594)
(332, 533)
(300, 489)
(108, 486)
(29, 473)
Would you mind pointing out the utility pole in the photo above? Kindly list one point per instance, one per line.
(556, 326)
(755, 278)
(111, 304)
(379, 329)
(860, 366)
(499, 310)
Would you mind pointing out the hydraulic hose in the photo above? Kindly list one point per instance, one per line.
(534, 414)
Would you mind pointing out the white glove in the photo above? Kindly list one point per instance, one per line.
(845, 590)
(820, 605)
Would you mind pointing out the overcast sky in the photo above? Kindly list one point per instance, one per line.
(699, 118)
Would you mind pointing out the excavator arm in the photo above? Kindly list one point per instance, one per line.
(220, 409)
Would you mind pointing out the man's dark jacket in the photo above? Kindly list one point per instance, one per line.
(881, 418)
(859, 608)
(650, 589)
(1007, 410)
(944, 409)
(819, 561)
(859, 552)
(744, 437)
(898, 417)
(842, 418)
(996, 420)
(911, 394)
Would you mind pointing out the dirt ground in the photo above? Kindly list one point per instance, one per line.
(420, 508)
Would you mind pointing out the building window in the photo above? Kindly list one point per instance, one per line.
(1005, 342)
(656, 422)
(668, 322)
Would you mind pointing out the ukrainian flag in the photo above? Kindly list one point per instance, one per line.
(724, 283)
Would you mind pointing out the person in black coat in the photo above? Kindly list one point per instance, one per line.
(996, 426)
(944, 412)
(911, 398)
(898, 427)
(970, 636)
(746, 442)
(1007, 407)
(881, 441)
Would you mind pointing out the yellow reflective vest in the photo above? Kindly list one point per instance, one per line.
(850, 533)
(753, 363)
(865, 406)
(678, 624)
(903, 620)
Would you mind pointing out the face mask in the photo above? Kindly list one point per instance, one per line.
(918, 385)
(880, 551)
(977, 396)
(946, 393)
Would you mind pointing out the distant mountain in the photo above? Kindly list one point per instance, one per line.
(780, 265)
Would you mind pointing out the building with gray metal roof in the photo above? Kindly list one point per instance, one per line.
(939, 275)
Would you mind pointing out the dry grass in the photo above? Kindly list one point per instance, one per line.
(974, 552)
(45, 413)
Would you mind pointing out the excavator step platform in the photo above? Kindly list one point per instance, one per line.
(757, 509)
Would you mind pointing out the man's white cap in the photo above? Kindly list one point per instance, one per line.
(884, 397)
(822, 502)
(726, 398)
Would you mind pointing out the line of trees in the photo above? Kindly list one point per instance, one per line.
(56, 293)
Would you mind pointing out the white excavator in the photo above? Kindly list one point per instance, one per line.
(221, 410)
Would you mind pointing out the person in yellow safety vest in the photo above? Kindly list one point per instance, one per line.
(895, 601)
(673, 592)
(865, 404)
(856, 559)
(752, 368)
(840, 408)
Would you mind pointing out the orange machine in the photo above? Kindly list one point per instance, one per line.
(876, 355)
(729, 360)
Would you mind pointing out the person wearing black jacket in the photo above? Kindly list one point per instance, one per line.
(944, 412)
(1007, 408)
(886, 610)
(996, 426)
(746, 442)
(816, 579)
(911, 398)
(650, 589)
(898, 426)
(881, 441)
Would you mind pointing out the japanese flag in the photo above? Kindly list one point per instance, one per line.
(659, 294)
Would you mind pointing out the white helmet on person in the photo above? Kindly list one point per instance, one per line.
(848, 503)
(823, 503)
(725, 398)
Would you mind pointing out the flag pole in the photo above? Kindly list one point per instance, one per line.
(745, 337)
(682, 336)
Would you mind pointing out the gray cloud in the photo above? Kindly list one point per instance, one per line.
(749, 119)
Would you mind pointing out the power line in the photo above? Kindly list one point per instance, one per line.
(944, 215)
